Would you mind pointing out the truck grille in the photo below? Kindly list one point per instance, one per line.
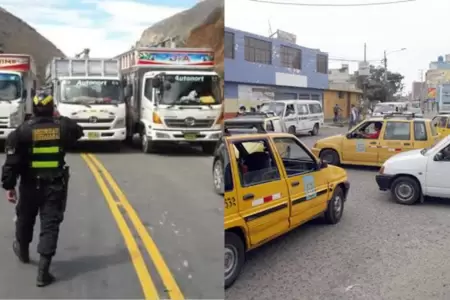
(180, 123)
(98, 120)
(4, 121)
(88, 127)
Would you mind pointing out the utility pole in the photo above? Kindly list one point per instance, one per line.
(386, 86)
(364, 82)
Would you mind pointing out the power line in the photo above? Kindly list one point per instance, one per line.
(333, 4)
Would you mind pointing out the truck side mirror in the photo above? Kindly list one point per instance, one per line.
(24, 94)
(33, 93)
(128, 91)
(167, 86)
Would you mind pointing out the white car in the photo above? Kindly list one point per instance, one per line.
(415, 174)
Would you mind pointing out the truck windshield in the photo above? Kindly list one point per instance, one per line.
(10, 87)
(91, 91)
(191, 90)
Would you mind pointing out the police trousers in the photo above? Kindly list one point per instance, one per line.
(48, 200)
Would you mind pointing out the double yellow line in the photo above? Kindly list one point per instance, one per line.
(103, 177)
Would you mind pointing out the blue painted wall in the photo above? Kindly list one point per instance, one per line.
(241, 71)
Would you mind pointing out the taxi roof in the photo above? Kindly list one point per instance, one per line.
(253, 136)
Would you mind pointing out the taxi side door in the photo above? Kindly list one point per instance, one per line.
(262, 196)
(423, 136)
(396, 136)
(307, 184)
(356, 149)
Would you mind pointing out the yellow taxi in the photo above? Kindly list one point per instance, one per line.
(268, 192)
(442, 124)
(375, 140)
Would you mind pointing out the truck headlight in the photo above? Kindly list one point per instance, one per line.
(14, 120)
(120, 123)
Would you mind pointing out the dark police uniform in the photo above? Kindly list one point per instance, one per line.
(35, 152)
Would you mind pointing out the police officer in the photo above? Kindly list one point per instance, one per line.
(35, 152)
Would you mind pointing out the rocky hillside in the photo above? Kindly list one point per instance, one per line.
(181, 24)
(210, 35)
(16, 36)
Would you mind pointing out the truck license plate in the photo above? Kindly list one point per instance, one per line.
(190, 136)
(93, 135)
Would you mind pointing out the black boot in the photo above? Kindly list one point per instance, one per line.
(22, 252)
(44, 277)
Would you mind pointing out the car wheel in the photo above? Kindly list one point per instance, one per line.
(330, 156)
(405, 190)
(335, 208)
(315, 130)
(218, 176)
(234, 257)
(292, 130)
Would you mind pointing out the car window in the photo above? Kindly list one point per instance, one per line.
(269, 126)
(315, 108)
(442, 123)
(256, 163)
(290, 110)
(420, 131)
(302, 109)
(228, 178)
(400, 131)
(296, 159)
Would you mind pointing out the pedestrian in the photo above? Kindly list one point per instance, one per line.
(252, 109)
(242, 110)
(35, 152)
(336, 111)
(353, 117)
(258, 108)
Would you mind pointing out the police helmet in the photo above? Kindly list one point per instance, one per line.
(43, 104)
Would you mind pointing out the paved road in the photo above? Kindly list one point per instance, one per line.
(168, 216)
(380, 250)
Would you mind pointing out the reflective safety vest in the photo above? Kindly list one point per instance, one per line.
(46, 152)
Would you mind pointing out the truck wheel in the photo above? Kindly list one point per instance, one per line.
(234, 257)
(147, 145)
(335, 208)
(209, 148)
(218, 176)
(330, 156)
(405, 190)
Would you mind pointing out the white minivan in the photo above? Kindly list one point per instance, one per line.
(415, 174)
(299, 116)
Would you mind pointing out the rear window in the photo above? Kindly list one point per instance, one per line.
(420, 131)
(315, 108)
(398, 131)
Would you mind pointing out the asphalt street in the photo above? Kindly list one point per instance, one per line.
(163, 211)
(380, 250)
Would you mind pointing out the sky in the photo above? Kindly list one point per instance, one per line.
(107, 27)
(422, 27)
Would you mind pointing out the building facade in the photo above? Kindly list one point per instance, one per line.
(261, 69)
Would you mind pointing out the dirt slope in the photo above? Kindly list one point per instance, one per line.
(16, 36)
(180, 24)
(210, 34)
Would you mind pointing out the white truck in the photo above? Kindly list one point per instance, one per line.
(18, 80)
(90, 91)
(173, 96)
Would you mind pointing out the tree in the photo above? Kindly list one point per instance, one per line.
(376, 87)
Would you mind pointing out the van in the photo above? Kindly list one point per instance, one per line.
(299, 116)
(384, 108)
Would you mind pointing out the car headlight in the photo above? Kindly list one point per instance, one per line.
(14, 119)
(120, 123)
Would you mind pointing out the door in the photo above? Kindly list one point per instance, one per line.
(396, 138)
(421, 135)
(303, 113)
(263, 195)
(357, 148)
(316, 114)
(290, 116)
(437, 175)
(308, 187)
